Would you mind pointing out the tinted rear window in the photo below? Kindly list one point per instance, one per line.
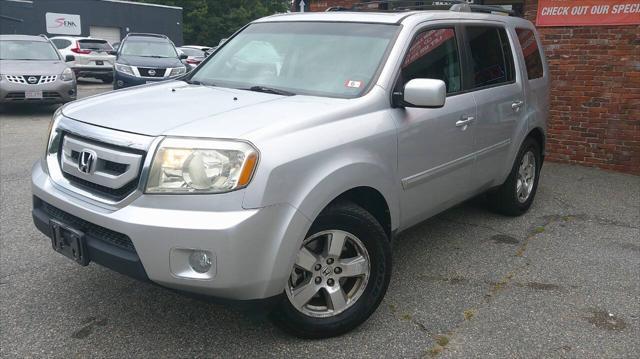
(531, 53)
(61, 43)
(492, 59)
(95, 45)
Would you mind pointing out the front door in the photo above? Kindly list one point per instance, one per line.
(435, 145)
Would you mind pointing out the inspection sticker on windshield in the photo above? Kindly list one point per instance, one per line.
(353, 84)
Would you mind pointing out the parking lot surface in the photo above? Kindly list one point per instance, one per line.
(562, 281)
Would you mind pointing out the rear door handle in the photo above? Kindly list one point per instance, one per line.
(465, 121)
(516, 105)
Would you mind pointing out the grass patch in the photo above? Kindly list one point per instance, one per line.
(469, 314)
(442, 340)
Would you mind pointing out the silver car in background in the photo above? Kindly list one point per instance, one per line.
(282, 168)
(32, 70)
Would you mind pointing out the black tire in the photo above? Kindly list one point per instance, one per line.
(504, 199)
(348, 217)
(106, 79)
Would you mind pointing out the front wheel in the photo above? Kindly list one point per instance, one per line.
(340, 276)
(516, 194)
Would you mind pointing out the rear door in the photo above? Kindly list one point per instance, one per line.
(434, 150)
(498, 93)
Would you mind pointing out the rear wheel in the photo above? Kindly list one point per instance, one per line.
(515, 196)
(340, 275)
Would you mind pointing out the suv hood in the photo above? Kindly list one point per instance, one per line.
(32, 67)
(177, 108)
(142, 61)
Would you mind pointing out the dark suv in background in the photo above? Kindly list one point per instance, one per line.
(144, 58)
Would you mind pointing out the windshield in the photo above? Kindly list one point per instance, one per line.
(148, 49)
(313, 58)
(27, 50)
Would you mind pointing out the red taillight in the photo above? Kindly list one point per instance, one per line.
(193, 61)
(78, 50)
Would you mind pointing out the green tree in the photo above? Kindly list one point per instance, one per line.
(206, 22)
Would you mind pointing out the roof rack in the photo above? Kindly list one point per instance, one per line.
(405, 5)
(146, 34)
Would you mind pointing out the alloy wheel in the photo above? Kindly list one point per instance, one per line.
(330, 274)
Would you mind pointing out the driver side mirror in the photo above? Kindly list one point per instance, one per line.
(112, 52)
(425, 93)
(69, 58)
(183, 56)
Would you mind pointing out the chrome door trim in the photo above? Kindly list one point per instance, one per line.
(447, 167)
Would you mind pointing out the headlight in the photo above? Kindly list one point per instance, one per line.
(53, 138)
(178, 71)
(183, 165)
(67, 75)
(125, 69)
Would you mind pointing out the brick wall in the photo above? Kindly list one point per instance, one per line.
(595, 92)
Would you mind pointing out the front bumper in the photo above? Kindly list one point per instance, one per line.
(89, 71)
(54, 92)
(253, 249)
(121, 80)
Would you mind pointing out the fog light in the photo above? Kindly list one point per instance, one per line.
(200, 261)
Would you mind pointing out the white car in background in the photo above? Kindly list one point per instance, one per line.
(93, 58)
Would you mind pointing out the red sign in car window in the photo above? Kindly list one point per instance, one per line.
(588, 12)
(427, 42)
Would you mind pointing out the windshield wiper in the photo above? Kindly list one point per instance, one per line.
(272, 90)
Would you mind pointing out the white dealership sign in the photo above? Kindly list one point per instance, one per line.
(64, 24)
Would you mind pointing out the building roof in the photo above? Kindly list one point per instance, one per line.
(144, 4)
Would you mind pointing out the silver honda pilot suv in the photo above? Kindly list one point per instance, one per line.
(282, 168)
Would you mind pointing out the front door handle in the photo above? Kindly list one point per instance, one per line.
(465, 121)
(516, 105)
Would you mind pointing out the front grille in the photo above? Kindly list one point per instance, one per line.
(31, 79)
(108, 178)
(117, 194)
(150, 72)
(103, 234)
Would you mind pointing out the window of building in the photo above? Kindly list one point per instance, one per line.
(491, 56)
(433, 55)
(531, 53)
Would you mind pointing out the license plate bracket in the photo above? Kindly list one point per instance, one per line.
(69, 242)
(33, 94)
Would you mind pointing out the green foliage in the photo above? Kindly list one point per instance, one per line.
(205, 22)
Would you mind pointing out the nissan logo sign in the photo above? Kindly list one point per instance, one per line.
(32, 79)
(152, 72)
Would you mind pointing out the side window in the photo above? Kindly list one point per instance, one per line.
(531, 53)
(433, 55)
(61, 43)
(491, 56)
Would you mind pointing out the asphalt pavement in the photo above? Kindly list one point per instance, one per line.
(562, 281)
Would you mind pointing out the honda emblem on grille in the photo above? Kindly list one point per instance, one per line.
(86, 161)
(32, 79)
(152, 72)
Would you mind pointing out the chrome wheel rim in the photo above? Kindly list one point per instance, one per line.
(526, 177)
(330, 274)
